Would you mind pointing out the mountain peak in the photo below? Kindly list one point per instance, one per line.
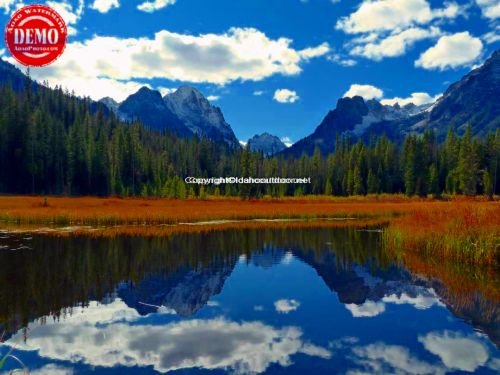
(266, 143)
(186, 93)
(145, 91)
(110, 103)
(201, 117)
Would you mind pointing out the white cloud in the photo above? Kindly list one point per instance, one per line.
(213, 98)
(285, 306)
(451, 51)
(166, 90)
(381, 358)
(420, 301)
(243, 143)
(417, 98)
(70, 15)
(457, 351)
(258, 93)
(102, 338)
(367, 92)
(288, 143)
(380, 15)
(489, 8)
(104, 6)
(52, 370)
(2, 51)
(256, 307)
(152, 6)
(313, 52)
(285, 96)
(338, 59)
(6, 5)
(388, 28)
(492, 36)
(396, 44)
(239, 54)
(368, 309)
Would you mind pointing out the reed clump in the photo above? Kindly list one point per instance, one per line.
(460, 231)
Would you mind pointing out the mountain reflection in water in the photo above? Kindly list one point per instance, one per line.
(313, 300)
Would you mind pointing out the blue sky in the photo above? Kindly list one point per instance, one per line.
(271, 65)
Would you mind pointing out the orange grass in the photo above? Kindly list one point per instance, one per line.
(462, 231)
(461, 280)
(116, 211)
(168, 230)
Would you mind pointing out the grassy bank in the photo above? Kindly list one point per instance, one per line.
(460, 229)
(463, 232)
(132, 211)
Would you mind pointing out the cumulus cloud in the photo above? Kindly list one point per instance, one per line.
(388, 28)
(420, 301)
(394, 359)
(417, 98)
(258, 93)
(368, 309)
(213, 98)
(379, 15)
(313, 52)
(70, 14)
(285, 306)
(285, 96)
(152, 6)
(6, 5)
(451, 51)
(396, 44)
(52, 370)
(419, 298)
(367, 92)
(457, 351)
(88, 67)
(104, 6)
(99, 336)
(489, 8)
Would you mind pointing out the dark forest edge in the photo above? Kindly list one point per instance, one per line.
(54, 143)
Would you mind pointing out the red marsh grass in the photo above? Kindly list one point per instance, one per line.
(133, 211)
(460, 229)
(203, 227)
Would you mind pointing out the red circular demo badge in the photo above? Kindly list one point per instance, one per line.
(36, 35)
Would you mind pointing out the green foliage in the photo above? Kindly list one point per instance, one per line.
(52, 142)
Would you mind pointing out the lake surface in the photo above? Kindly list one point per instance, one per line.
(240, 301)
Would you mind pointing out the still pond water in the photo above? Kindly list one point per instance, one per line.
(246, 301)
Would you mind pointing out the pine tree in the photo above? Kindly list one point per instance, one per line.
(467, 165)
(433, 181)
(487, 185)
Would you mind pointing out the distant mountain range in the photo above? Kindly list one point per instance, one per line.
(266, 143)
(185, 112)
(474, 101)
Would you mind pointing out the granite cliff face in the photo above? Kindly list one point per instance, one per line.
(199, 116)
(185, 112)
(471, 101)
(266, 143)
